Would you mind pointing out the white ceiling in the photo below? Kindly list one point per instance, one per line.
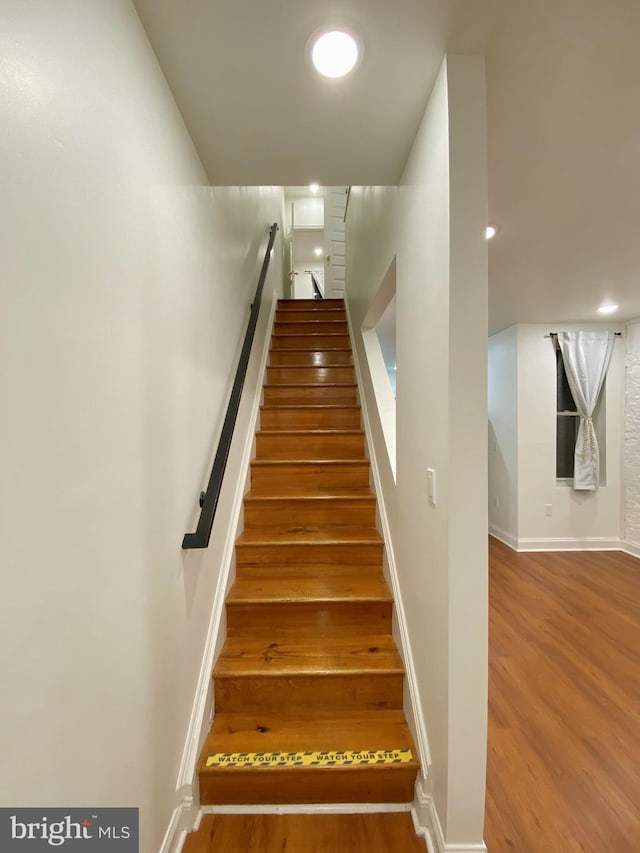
(563, 84)
(260, 114)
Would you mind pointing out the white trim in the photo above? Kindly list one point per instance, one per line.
(199, 720)
(424, 817)
(412, 682)
(630, 548)
(503, 536)
(310, 808)
(182, 821)
(427, 823)
(587, 544)
(590, 544)
(383, 393)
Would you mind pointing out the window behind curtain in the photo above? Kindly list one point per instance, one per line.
(568, 421)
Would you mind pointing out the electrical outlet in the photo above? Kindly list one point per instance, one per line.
(548, 510)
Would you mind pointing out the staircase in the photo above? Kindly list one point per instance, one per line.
(309, 667)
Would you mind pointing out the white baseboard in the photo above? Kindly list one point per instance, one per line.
(424, 817)
(562, 544)
(182, 822)
(200, 719)
(630, 548)
(503, 536)
(422, 741)
(427, 823)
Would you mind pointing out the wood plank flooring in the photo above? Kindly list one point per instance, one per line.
(564, 702)
(361, 833)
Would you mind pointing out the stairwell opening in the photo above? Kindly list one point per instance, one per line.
(379, 338)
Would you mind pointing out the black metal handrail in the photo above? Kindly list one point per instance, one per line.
(317, 293)
(209, 499)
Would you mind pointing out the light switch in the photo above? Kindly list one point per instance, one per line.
(431, 485)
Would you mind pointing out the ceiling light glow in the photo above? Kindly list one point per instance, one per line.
(314, 187)
(608, 309)
(317, 251)
(334, 54)
(490, 231)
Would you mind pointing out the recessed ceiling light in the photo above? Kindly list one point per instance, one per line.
(334, 54)
(490, 231)
(314, 187)
(317, 251)
(608, 309)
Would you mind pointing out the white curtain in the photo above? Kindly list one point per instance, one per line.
(586, 357)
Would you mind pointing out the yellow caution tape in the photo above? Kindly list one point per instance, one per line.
(309, 759)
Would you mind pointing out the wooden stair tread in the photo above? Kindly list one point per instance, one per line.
(319, 305)
(335, 463)
(305, 303)
(287, 395)
(310, 385)
(302, 367)
(309, 510)
(302, 374)
(332, 493)
(312, 731)
(347, 587)
(288, 533)
(331, 315)
(326, 309)
(306, 349)
(311, 343)
(311, 337)
(305, 443)
(343, 462)
(313, 432)
(325, 570)
(341, 321)
(308, 406)
(366, 496)
(310, 416)
(353, 656)
(328, 476)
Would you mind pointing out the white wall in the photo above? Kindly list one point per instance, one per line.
(303, 283)
(579, 519)
(125, 292)
(307, 212)
(522, 459)
(632, 440)
(503, 435)
(372, 225)
(434, 224)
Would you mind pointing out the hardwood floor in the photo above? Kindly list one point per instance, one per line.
(361, 833)
(564, 702)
